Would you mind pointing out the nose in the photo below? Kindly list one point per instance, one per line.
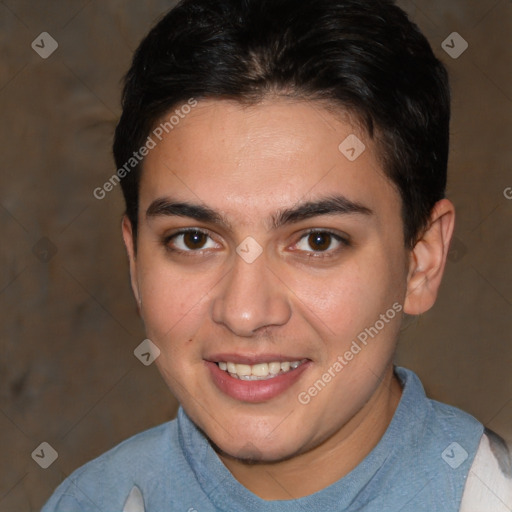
(251, 297)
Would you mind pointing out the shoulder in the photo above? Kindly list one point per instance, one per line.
(105, 482)
(146, 450)
(443, 421)
(489, 483)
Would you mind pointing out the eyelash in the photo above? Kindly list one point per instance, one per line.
(310, 254)
(343, 241)
(167, 239)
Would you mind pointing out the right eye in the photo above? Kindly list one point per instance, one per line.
(189, 241)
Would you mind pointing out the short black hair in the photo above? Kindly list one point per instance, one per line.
(364, 56)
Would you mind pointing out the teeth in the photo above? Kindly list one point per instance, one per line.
(274, 368)
(259, 371)
(243, 370)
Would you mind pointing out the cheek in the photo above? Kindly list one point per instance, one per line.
(171, 300)
(173, 307)
(343, 302)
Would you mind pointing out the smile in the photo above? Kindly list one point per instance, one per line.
(256, 382)
(260, 371)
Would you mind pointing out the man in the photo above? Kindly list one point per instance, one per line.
(283, 164)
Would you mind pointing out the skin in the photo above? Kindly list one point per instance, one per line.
(248, 164)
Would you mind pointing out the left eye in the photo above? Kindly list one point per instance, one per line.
(192, 241)
(319, 241)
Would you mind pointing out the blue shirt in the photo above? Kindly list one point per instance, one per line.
(420, 465)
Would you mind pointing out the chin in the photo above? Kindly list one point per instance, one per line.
(252, 449)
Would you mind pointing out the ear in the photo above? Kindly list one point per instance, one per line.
(428, 259)
(127, 230)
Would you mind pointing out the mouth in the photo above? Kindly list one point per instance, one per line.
(255, 379)
(259, 371)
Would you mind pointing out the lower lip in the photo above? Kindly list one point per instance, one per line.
(254, 391)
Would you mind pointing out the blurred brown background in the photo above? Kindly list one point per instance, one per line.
(68, 324)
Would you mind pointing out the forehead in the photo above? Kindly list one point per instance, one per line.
(246, 159)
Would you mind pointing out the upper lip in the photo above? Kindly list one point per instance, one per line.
(252, 359)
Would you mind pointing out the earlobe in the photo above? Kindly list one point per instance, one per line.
(428, 259)
(127, 231)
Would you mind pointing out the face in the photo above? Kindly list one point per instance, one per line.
(261, 244)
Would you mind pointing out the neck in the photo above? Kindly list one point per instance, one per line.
(325, 464)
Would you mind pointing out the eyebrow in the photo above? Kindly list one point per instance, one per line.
(167, 207)
(332, 205)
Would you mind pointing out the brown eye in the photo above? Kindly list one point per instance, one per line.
(325, 243)
(189, 241)
(194, 240)
(320, 241)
